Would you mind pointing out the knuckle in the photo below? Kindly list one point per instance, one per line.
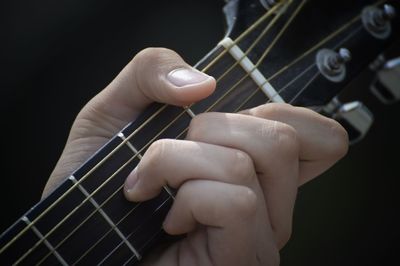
(157, 149)
(148, 68)
(186, 191)
(153, 56)
(273, 110)
(245, 202)
(242, 168)
(285, 140)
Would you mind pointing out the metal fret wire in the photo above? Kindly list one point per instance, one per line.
(281, 70)
(131, 234)
(244, 34)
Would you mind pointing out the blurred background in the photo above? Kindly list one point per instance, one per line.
(56, 55)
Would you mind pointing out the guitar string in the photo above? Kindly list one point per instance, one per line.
(149, 143)
(243, 35)
(296, 60)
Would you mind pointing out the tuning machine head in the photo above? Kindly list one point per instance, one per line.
(355, 117)
(377, 20)
(332, 64)
(386, 86)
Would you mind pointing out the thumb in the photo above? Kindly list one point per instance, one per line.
(154, 74)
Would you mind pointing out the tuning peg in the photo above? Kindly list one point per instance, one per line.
(386, 86)
(377, 20)
(355, 117)
(332, 64)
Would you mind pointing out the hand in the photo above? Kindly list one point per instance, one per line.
(237, 174)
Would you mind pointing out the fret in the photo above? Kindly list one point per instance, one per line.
(84, 236)
(139, 223)
(120, 163)
(95, 254)
(45, 241)
(139, 156)
(162, 126)
(131, 221)
(251, 70)
(151, 131)
(107, 218)
(148, 230)
(118, 256)
(122, 136)
(23, 244)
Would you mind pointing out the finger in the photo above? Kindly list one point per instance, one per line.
(173, 162)
(272, 145)
(322, 140)
(154, 74)
(236, 234)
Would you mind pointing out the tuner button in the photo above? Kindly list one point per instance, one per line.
(340, 58)
(386, 86)
(331, 64)
(377, 20)
(355, 117)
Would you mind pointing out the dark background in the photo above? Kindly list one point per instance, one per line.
(56, 55)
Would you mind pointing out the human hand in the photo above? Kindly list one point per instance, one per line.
(237, 174)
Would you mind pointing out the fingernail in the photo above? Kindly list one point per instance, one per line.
(186, 76)
(131, 181)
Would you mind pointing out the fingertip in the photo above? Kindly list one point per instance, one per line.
(189, 85)
(131, 190)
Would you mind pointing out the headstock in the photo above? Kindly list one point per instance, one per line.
(309, 51)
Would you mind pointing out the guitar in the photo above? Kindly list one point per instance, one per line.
(259, 60)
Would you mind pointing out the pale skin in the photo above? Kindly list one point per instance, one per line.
(237, 174)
